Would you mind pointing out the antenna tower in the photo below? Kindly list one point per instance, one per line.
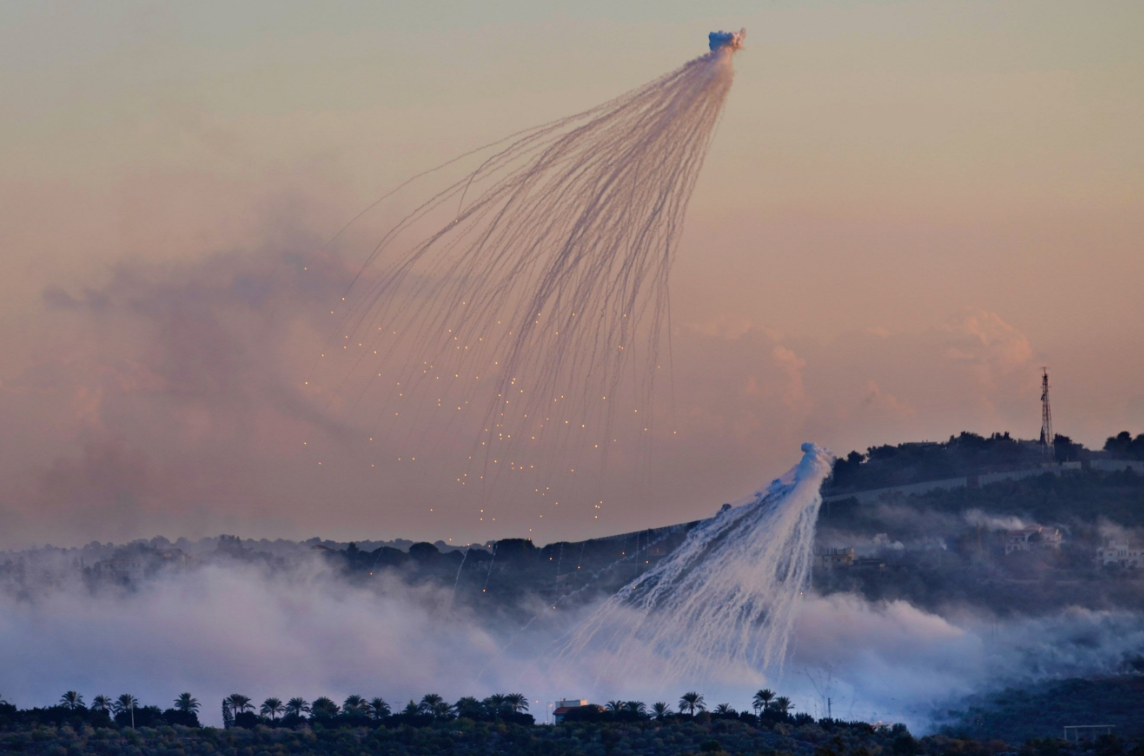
(1046, 416)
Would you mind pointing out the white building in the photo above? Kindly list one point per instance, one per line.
(1121, 554)
(1037, 537)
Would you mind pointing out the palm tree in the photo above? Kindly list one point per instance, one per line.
(724, 709)
(185, 703)
(660, 709)
(71, 700)
(354, 704)
(411, 709)
(636, 707)
(297, 706)
(323, 707)
(517, 702)
(469, 707)
(378, 708)
(435, 706)
(615, 706)
(272, 707)
(691, 701)
(495, 704)
(782, 705)
(239, 703)
(125, 703)
(762, 699)
(429, 703)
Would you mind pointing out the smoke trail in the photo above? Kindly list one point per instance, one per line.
(727, 598)
(544, 278)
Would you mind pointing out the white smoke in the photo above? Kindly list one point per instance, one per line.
(305, 632)
(725, 599)
(892, 661)
(978, 518)
(732, 594)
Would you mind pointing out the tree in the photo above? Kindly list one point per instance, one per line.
(724, 709)
(378, 708)
(354, 704)
(610, 738)
(660, 709)
(323, 708)
(762, 699)
(272, 707)
(639, 708)
(691, 701)
(435, 706)
(101, 703)
(428, 702)
(411, 709)
(615, 706)
(517, 702)
(1119, 444)
(297, 706)
(1064, 450)
(495, 704)
(126, 703)
(71, 700)
(186, 703)
(239, 703)
(469, 707)
(782, 705)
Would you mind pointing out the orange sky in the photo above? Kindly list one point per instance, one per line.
(909, 207)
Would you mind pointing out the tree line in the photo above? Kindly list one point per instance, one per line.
(239, 710)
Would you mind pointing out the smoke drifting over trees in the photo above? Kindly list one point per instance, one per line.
(937, 615)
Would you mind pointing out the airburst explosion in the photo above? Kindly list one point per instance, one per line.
(534, 310)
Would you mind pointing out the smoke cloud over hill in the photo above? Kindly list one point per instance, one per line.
(305, 630)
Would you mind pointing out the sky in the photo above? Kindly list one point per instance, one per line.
(908, 209)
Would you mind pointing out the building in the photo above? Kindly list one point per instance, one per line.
(565, 706)
(1120, 554)
(1036, 537)
(830, 558)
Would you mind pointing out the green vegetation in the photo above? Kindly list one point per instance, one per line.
(1124, 446)
(500, 725)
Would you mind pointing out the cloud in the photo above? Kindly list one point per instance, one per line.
(975, 372)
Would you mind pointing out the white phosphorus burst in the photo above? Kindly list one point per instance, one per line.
(726, 599)
(534, 310)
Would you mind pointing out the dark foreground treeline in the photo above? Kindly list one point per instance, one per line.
(705, 734)
(497, 725)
